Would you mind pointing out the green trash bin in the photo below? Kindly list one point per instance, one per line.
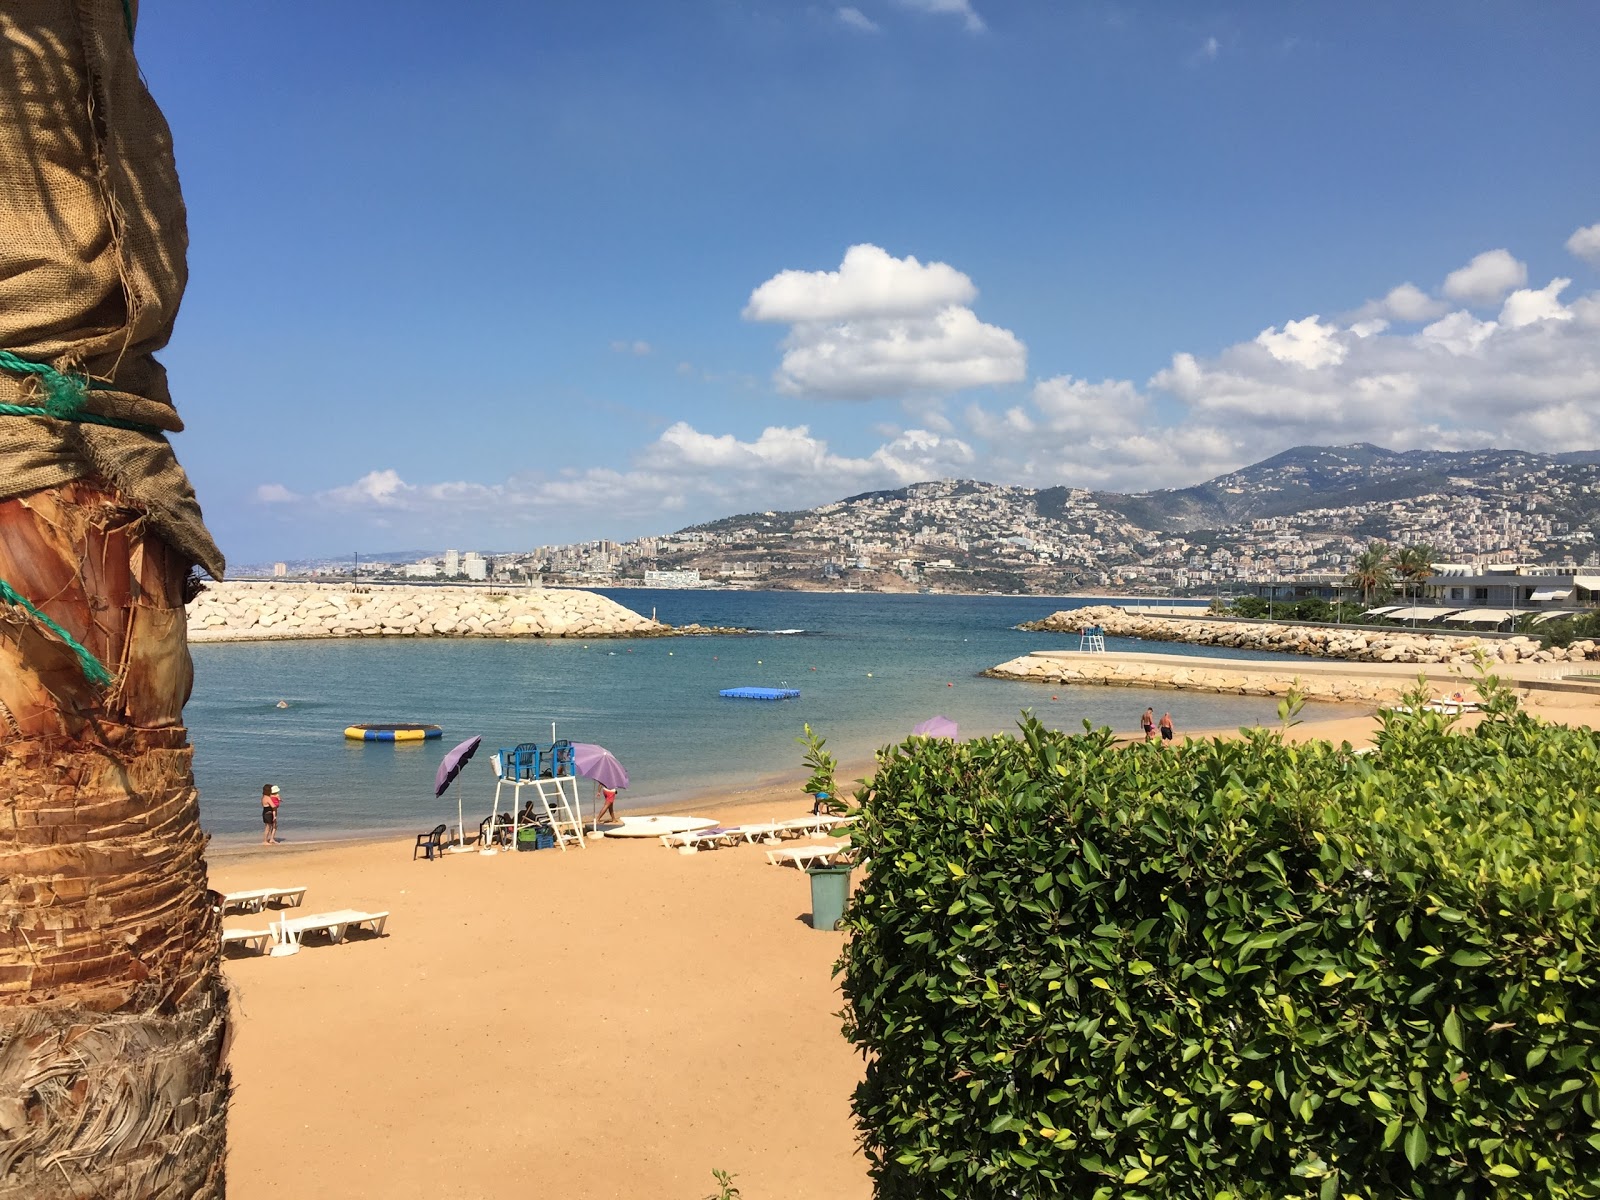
(830, 888)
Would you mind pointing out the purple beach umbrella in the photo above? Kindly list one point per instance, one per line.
(936, 727)
(449, 768)
(599, 764)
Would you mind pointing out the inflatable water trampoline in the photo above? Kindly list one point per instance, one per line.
(392, 733)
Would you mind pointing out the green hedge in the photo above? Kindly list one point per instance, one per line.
(1231, 968)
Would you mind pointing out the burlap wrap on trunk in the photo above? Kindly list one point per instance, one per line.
(92, 244)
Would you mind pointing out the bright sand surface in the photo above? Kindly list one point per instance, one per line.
(615, 1021)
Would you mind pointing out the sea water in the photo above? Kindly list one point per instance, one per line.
(868, 666)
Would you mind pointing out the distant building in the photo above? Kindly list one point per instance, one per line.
(474, 565)
(673, 579)
(422, 570)
(279, 570)
(452, 564)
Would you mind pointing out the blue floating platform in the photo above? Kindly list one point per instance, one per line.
(760, 693)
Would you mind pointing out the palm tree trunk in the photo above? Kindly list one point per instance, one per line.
(113, 1013)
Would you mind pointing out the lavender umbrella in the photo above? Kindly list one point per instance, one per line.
(936, 727)
(599, 764)
(449, 768)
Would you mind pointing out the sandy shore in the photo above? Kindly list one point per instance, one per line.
(611, 1022)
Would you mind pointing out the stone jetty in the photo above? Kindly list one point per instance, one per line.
(240, 611)
(1366, 684)
(1351, 643)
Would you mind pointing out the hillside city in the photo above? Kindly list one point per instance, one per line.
(1306, 513)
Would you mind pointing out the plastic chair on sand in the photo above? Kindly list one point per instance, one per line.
(430, 843)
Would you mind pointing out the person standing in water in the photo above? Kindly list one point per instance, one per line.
(1166, 727)
(270, 799)
(1148, 724)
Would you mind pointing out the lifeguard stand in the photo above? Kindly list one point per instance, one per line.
(1092, 639)
(548, 770)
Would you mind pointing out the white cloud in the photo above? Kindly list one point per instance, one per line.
(884, 326)
(1585, 243)
(382, 488)
(1307, 343)
(1208, 50)
(275, 493)
(1525, 306)
(1459, 333)
(854, 18)
(1408, 302)
(684, 468)
(870, 282)
(637, 348)
(956, 8)
(1486, 278)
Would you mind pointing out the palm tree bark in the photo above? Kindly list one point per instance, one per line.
(113, 1012)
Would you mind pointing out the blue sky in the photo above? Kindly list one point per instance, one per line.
(497, 275)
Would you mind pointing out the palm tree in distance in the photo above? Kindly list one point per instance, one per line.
(1372, 573)
(1414, 564)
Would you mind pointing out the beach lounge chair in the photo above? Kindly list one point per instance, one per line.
(806, 856)
(288, 932)
(697, 839)
(430, 843)
(254, 940)
(255, 899)
(769, 832)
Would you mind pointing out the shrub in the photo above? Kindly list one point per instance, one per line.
(1231, 969)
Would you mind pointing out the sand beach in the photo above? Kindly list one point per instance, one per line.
(616, 1021)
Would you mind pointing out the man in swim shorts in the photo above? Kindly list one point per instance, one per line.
(1166, 727)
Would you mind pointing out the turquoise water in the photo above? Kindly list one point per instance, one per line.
(868, 666)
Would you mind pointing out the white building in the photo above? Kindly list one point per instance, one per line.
(474, 565)
(279, 570)
(422, 570)
(672, 579)
(452, 564)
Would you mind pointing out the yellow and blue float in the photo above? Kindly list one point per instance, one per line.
(392, 733)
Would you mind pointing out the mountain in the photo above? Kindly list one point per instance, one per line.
(1326, 477)
(1309, 509)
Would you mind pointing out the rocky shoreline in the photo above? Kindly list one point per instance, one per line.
(240, 612)
(1351, 643)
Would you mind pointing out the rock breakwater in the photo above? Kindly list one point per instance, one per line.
(1352, 643)
(237, 611)
(1221, 676)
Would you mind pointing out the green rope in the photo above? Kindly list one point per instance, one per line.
(64, 396)
(93, 671)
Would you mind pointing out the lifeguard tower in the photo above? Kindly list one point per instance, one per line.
(1092, 639)
(550, 773)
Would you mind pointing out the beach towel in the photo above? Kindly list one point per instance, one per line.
(93, 244)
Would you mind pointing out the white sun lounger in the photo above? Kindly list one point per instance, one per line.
(255, 899)
(251, 939)
(288, 932)
(694, 840)
(806, 856)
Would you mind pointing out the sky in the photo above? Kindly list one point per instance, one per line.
(502, 275)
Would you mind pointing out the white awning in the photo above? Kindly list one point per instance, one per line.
(1483, 616)
(1384, 611)
(1550, 593)
(1431, 612)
